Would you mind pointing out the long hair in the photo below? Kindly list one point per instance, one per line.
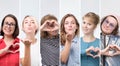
(115, 31)
(62, 29)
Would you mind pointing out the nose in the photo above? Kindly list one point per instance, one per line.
(29, 23)
(107, 24)
(84, 25)
(70, 25)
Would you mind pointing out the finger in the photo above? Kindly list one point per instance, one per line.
(117, 47)
(90, 55)
(96, 56)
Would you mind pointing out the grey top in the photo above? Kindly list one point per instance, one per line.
(49, 48)
(110, 61)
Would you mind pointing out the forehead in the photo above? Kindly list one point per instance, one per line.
(111, 19)
(89, 19)
(70, 18)
(9, 19)
(29, 19)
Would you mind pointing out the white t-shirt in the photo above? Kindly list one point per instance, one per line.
(35, 53)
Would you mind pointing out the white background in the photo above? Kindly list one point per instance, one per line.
(90, 6)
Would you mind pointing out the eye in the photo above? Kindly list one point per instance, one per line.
(107, 21)
(66, 22)
(73, 22)
(6, 23)
(83, 22)
(89, 24)
(33, 22)
(26, 22)
(12, 24)
(112, 25)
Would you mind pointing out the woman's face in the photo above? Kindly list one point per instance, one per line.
(88, 25)
(70, 25)
(108, 25)
(29, 25)
(9, 26)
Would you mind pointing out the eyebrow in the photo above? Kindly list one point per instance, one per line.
(30, 20)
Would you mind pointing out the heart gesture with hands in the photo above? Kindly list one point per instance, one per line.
(14, 48)
(49, 25)
(111, 50)
(93, 52)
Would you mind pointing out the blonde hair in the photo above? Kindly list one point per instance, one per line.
(34, 20)
(93, 16)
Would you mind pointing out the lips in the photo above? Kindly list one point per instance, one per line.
(8, 30)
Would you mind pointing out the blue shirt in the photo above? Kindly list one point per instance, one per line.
(88, 60)
(74, 56)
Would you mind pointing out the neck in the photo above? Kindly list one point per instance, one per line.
(88, 38)
(31, 37)
(8, 38)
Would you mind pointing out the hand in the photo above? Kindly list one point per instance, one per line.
(55, 26)
(15, 48)
(116, 49)
(49, 25)
(92, 50)
(111, 50)
(45, 26)
(27, 42)
(69, 37)
(88, 51)
(106, 51)
(6, 49)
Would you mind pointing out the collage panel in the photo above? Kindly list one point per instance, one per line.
(49, 32)
(110, 33)
(29, 33)
(90, 33)
(69, 33)
(9, 31)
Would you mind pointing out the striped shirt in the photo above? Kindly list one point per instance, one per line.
(50, 51)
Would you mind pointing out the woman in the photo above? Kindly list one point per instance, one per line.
(110, 44)
(30, 48)
(49, 41)
(89, 43)
(9, 43)
(69, 54)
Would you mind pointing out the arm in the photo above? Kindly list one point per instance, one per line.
(5, 50)
(26, 60)
(65, 52)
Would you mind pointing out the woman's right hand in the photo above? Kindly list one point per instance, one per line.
(44, 26)
(26, 42)
(69, 37)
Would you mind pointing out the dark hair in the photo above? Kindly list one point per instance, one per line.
(16, 31)
(44, 34)
(115, 31)
(62, 29)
